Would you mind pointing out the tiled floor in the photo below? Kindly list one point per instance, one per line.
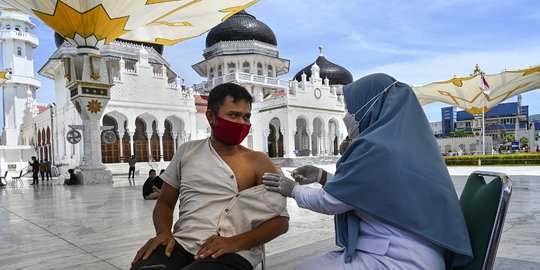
(51, 226)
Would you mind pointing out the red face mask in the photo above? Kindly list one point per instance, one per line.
(229, 132)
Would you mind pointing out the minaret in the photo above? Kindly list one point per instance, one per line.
(18, 45)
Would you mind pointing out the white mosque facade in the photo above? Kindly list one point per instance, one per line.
(152, 113)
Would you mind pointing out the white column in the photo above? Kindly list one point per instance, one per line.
(265, 141)
(175, 143)
(161, 146)
(310, 146)
(148, 137)
(131, 144)
(121, 135)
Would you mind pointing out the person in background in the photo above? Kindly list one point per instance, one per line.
(150, 191)
(35, 170)
(42, 170)
(49, 169)
(158, 182)
(394, 202)
(344, 145)
(131, 162)
(72, 180)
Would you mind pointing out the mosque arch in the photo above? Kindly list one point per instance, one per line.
(154, 141)
(333, 136)
(140, 141)
(259, 69)
(122, 134)
(318, 144)
(110, 153)
(270, 71)
(275, 138)
(219, 70)
(246, 67)
(231, 67)
(301, 137)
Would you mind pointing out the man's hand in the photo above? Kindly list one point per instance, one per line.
(216, 246)
(307, 174)
(278, 183)
(164, 239)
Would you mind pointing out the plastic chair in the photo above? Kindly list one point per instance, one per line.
(3, 178)
(484, 207)
(18, 178)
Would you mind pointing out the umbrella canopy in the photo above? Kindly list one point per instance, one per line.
(94, 23)
(4, 76)
(479, 90)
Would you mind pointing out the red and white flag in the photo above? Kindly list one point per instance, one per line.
(484, 86)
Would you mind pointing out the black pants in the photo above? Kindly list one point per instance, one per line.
(181, 259)
(131, 172)
(48, 174)
(35, 177)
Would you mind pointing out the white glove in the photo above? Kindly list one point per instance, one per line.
(307, 174)
(280, 184)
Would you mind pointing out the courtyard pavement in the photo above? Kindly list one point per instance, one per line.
(52, 226)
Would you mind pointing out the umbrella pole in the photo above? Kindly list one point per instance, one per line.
(483, 131)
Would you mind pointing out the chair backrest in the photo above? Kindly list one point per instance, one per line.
(484, 207)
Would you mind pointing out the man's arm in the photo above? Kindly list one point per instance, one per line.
(216, 245)
(163, 217)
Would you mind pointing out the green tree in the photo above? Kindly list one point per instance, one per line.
(461, 132)
(509, 138)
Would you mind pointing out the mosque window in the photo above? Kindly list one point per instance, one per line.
(17, 27)
(8, 27)
(245, 67)
(211, 73)
(219, 71)
(231, 67)
(19, 51)
(259, 69)
(270, 71)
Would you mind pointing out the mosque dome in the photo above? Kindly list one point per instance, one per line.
(241, 26)
(335, 73)
(59, 40)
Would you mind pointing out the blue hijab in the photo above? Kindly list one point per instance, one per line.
(394, 171)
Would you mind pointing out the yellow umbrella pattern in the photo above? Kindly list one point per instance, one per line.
(4, 76)
(478, 90)
(90, 24)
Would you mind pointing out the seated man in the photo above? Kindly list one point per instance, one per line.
(149, 190)
(225, 213)
(72, 180)
(158, 182)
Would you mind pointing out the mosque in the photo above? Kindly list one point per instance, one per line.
(151, 112)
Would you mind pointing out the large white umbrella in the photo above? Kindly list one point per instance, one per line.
(90, 24)
(478, 90)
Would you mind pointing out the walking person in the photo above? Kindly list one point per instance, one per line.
(131, 163)
(35, 170)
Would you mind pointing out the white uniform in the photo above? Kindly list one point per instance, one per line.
(379, 246)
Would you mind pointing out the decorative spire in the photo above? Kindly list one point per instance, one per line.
(477, 70)
(320, 50)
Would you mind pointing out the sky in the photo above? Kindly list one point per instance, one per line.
(416, 41)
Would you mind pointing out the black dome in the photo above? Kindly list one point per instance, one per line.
(335, 73)
(59, 40)
(241, 26)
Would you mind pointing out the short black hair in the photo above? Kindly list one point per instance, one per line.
(151, 171)
(162, 171)
(218, 94)
(71, 171)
